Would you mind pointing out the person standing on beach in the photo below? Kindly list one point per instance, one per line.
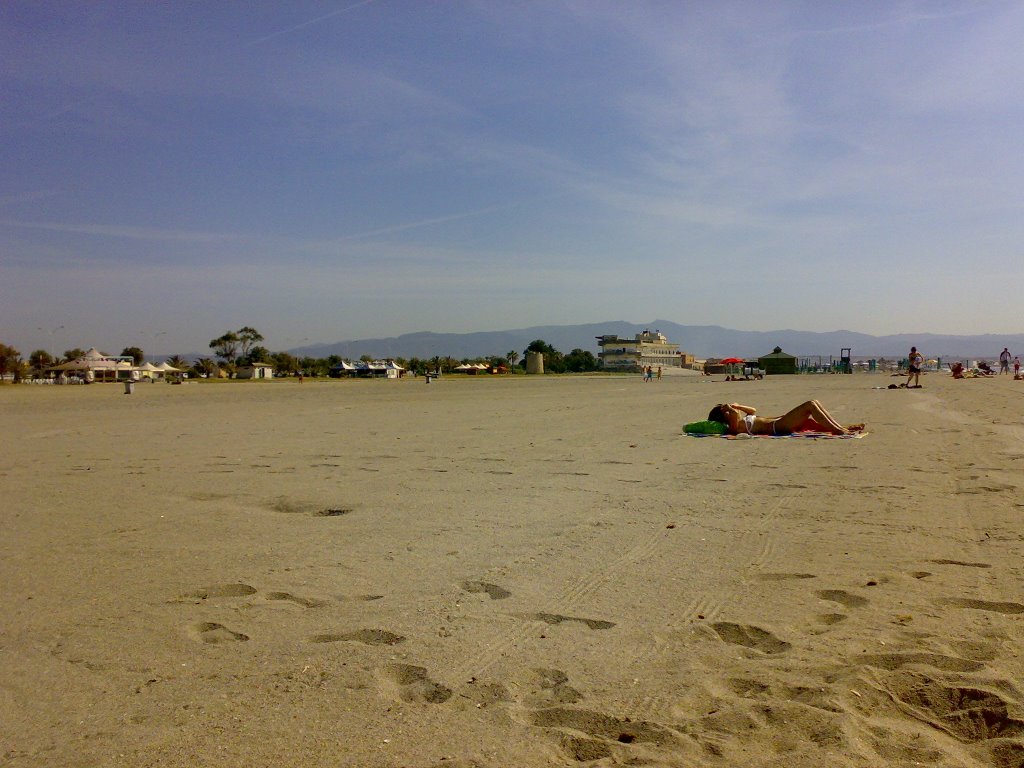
(914, 362)
(1016, 368)
(1004, 361)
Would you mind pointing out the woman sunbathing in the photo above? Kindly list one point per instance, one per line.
(807, 417)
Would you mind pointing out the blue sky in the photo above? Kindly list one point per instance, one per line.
(339, 170)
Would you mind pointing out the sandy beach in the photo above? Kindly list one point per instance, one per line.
(514, 571)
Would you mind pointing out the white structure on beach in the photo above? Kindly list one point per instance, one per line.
(648, 348)
(374, 369)
(256, 371)
(94, 364)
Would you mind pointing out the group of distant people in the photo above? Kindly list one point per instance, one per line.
(1004, 363)
(916, 360)
(984, 369)
(649, 373)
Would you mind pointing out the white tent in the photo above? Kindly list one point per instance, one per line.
(95, 362)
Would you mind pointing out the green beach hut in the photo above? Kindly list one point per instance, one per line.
(777, 362)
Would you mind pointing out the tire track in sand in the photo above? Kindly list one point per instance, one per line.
(502, 639)
(763, 539)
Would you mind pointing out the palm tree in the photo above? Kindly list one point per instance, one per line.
(39, 361)
(206, 366)
(511, 356)
(177, 361)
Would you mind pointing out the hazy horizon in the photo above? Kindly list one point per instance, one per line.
(160, 352)
(347, 170)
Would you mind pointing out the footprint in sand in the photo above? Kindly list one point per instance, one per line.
(894, 661)
(220, 590)
(982, 605)
(746, 687)
(828, 619)
(332, 512)
(211, 632)
(291, 507)
(750, 637)
(603, 729)
(967, 714)
(485, 693)
(962, 563)
(364, 636)
(551, 686)
(584, 750)
(555, 618)
(412, 684)
(493, 590)
(785, 576)
(842, 597)
(305, 602)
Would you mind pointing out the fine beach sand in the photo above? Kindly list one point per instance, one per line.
(517, 571)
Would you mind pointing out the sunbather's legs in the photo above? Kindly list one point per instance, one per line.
(810, 414)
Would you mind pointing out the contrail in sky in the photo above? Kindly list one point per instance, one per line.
(427, 222)
(308, 23)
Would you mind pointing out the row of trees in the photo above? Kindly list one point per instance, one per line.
(577, 361)
(242, 347)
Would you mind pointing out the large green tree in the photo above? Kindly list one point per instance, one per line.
(138, 356)
(39, 361)
(285, 362)
(580, 361)
(10, 362)
(313, 366)
(226, 346)
(248, 338)
(553, 359)
(73, 354)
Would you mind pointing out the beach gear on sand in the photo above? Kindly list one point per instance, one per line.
(706, 428)
(806, 435)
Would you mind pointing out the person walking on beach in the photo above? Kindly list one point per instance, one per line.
(914, 362)
(1016, 368)
(659, 373)
(1004, 361)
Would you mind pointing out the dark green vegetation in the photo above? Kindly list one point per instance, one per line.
(242, 347)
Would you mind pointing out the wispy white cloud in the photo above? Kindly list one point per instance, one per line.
(18, 198)
(126, 232)
(309, 23)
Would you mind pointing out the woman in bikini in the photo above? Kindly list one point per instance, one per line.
(807, 417)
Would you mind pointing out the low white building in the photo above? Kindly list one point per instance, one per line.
(255, 371)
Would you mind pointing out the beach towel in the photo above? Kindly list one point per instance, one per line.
(801, 435)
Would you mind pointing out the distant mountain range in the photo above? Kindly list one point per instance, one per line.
(700, 340)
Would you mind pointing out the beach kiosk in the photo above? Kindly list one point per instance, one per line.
(777, 362)
(256, 371)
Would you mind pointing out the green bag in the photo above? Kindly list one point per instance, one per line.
(706, 428)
